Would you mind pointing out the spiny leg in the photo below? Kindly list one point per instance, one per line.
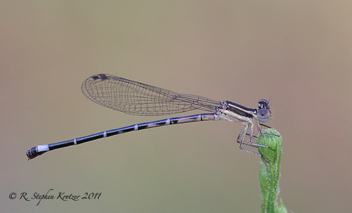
(253, 144)
(240, 140)
(241, 136)
(260, 131)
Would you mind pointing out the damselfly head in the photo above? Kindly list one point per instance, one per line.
(264, 113)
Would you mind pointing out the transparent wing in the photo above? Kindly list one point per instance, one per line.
(136, 98)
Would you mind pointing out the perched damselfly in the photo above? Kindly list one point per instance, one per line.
(136, 98)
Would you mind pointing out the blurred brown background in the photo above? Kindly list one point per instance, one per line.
(298, 53)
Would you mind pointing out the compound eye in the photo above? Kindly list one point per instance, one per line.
(263, 103)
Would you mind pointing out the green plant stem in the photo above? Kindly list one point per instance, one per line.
(269, 173)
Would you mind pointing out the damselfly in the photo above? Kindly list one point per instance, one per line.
(136, 98)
